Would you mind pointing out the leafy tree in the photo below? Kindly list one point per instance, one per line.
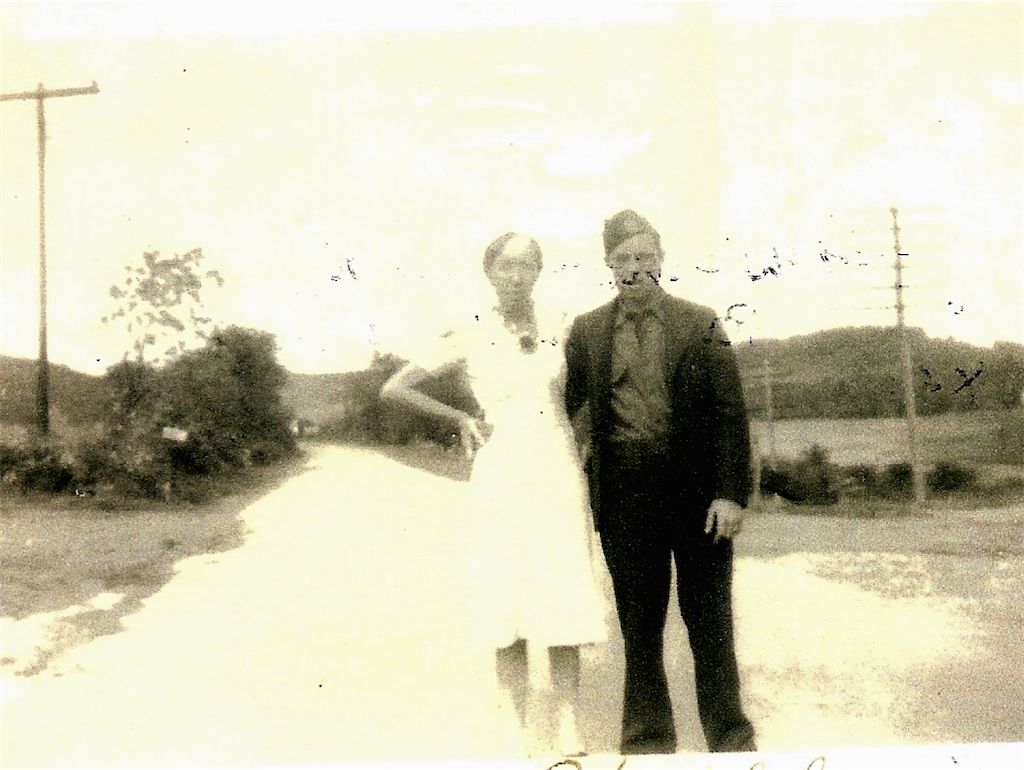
(131, 395)
(159, 304)
(227, 395)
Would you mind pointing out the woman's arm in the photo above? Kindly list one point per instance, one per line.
(401, 387)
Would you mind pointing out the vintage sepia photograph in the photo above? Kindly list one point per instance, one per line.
(512, 385)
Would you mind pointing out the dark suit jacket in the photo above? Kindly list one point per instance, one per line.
(709, 444)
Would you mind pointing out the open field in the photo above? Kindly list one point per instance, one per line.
(964, 437)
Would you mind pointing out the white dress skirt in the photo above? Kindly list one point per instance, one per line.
(531, 561)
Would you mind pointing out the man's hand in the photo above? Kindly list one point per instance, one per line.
(725, 519)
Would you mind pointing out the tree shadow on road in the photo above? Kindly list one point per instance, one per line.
(449, 464)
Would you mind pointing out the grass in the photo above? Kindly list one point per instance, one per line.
(955, 436)
(60, 550)
(882, 508)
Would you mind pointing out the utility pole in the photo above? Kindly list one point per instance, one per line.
(43, 383)
(769, 410)
(908, 369)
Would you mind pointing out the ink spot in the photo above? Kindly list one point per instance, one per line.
(968, 379)
(934, 387)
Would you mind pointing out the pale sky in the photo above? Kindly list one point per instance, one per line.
(344, 169)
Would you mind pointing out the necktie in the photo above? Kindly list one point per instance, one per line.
(636, 318)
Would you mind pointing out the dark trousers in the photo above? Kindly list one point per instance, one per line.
(643, 526)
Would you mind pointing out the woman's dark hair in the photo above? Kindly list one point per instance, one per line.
(497, 246)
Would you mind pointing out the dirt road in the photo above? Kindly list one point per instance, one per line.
(333, 634)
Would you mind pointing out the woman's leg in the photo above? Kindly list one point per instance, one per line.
(565, 672)
(565, 679)
(514, 676)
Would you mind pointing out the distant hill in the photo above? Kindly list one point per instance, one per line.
(856, 372)
(849, 372)
(321, 398)
(75, 398)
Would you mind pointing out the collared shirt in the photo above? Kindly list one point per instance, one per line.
(639, 397)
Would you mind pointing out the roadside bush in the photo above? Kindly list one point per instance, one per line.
(130, 458)
(194, 456)
(92, 464)
(158, 469)
(862, 480)
(810, 479)
(11, 456)
(897, 481)
(150, 482)
(226, 396)
(131, 468)
(37, 468)
(268, 452)
(950, 477)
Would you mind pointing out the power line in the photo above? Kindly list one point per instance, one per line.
(41, 94)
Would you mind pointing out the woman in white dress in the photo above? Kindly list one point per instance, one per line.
(533, 570)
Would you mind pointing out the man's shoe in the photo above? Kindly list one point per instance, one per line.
(737, 740)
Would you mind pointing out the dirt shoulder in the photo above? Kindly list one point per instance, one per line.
(966, 563)
(73, 570)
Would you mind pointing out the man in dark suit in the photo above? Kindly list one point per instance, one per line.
(669, 471)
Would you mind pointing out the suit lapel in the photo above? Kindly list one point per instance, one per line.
(677, 336)
(604, 321)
